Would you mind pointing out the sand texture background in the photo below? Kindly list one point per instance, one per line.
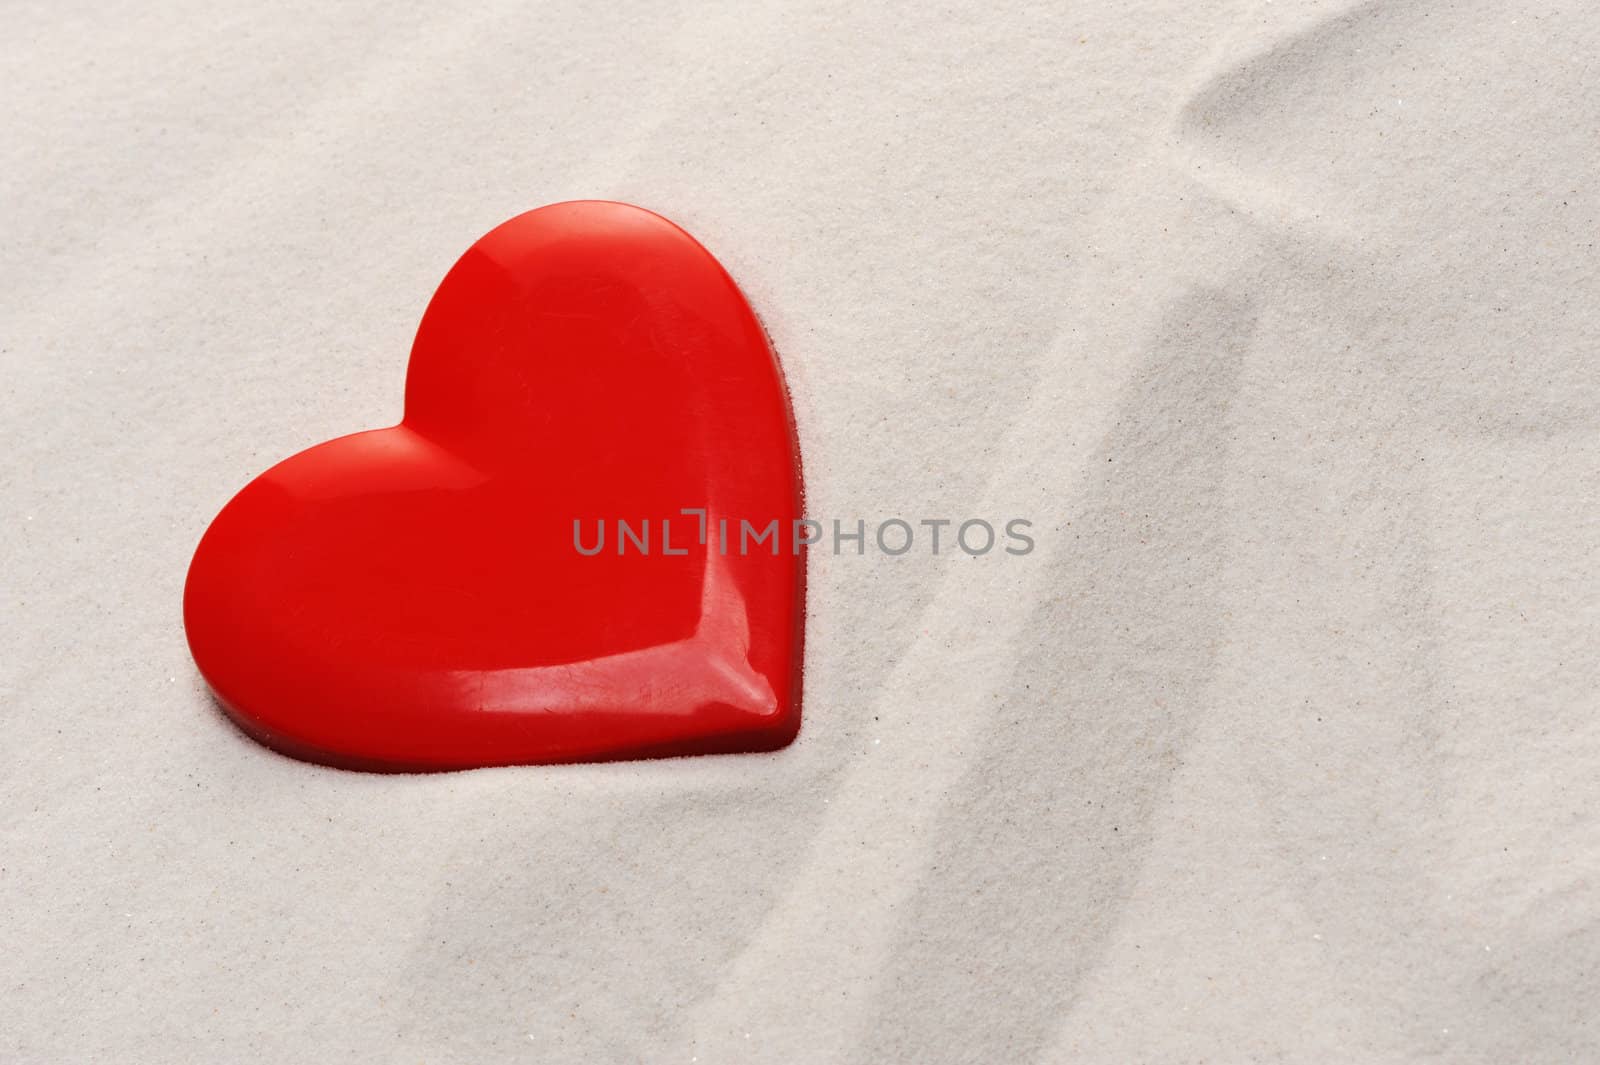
(1279, 318)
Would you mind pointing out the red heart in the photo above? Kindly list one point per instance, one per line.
(414, 597)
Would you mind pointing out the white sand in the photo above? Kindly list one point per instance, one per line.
(1278, 318)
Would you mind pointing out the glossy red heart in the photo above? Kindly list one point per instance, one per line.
(415, 598)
